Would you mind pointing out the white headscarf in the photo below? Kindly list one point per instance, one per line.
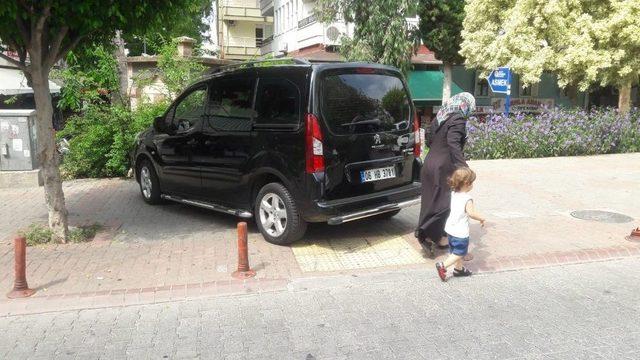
(463, 104)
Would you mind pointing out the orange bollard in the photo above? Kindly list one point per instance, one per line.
(244, 271)
(20, 287)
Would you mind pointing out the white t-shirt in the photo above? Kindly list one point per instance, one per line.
(458, 221)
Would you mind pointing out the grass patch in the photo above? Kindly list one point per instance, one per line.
(37, 234)
(84, 233)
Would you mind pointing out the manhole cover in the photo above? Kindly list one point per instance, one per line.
(601, 216)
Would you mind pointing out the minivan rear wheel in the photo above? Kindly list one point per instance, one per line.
(277, 216)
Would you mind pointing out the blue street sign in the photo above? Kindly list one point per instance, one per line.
(500, 82)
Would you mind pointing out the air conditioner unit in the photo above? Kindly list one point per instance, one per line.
(333, 33)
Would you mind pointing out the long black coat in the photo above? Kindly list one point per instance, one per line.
(446, 144)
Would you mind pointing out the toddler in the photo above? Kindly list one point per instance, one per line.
(457, 225)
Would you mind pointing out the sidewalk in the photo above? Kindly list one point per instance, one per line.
(160, 253)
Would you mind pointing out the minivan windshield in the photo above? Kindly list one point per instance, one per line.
(359, 103)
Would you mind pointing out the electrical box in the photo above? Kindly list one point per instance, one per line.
(18, 145)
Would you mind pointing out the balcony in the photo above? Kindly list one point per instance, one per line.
(242, 10)
(267, 46)
(266, 7)
(307, 21)
(242, 48)
(251, 4)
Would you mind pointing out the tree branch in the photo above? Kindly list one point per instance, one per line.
(54, 49)
(14, 62)
(26, 7)
(37, 29)
(22, 27)
(73, 42)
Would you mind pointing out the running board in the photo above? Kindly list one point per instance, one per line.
(338, 220)
(219, 208)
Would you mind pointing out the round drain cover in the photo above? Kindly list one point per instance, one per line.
(601, 216)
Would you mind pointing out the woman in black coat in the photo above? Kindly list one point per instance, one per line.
(446, 139)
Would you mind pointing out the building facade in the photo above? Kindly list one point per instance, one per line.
(241, 29)
(298, 32)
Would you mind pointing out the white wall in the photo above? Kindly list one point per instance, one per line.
(287, 13)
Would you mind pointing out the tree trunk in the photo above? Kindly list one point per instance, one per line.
(47, 154)
(572, 94)
(122, 97)
(624, 99)
(446, 83)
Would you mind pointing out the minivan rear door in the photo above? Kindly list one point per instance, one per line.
(368, 115)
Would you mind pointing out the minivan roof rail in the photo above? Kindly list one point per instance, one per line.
(251, 64)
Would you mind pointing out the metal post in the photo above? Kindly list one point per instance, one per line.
(20, 287)
(244, 271)
(507, 104)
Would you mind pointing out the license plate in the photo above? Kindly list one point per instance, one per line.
(377, 174)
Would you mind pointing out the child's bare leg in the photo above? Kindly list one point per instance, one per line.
(452, 259)
(444, 241)
(459, 263)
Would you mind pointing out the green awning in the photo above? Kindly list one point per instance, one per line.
(426, 85)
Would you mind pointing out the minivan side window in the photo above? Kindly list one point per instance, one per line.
(231, 104)
(188, 111)
(278, 102)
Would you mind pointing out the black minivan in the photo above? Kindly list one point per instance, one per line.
(287, 144)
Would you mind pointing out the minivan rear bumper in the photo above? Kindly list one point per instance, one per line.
(336, 212)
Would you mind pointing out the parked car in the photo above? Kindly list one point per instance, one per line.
(288, 145)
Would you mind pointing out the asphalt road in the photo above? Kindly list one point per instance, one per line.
(587, 311)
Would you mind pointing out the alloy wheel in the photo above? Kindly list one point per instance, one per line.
(273, 215)
(145, 182)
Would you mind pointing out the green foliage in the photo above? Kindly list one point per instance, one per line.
(11, 100)
(84, 233)
(440, 27)
(37, 234)
(88, 77)
(191, 21)
(86, 22)
(381, 32)
(102, 137)
(584, 42)
(176, 72)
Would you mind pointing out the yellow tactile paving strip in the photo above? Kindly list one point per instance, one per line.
(355, 253)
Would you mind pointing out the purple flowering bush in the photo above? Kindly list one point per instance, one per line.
(560, 132)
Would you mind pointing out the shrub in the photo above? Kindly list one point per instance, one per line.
(101, 138)
(84, 233)
(557, 133)
(37, 234)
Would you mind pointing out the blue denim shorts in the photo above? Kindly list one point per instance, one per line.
(458, 246)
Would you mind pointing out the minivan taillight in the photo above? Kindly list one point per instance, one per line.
(417, 146)
(314, 152)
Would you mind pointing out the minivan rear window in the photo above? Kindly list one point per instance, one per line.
(364, 102)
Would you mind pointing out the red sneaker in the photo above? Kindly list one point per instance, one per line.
(442, 271)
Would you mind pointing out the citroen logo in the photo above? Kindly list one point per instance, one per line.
(376, 139)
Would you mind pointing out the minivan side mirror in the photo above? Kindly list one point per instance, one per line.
(159, 124)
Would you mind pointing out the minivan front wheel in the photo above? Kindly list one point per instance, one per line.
(149, 184)
(277, 216)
